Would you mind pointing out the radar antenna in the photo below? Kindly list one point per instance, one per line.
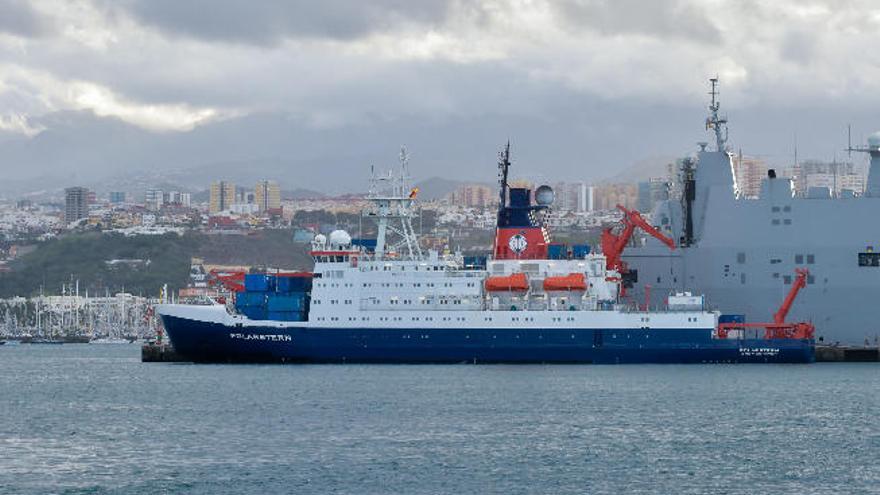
(715, 121)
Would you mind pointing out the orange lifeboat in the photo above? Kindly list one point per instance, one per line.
(514, 282)
(572, 281)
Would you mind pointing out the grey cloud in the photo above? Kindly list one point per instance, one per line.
(265, 23)
(19, 18)
(799, 47)
(663, 18)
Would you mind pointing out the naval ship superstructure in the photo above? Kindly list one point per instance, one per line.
(741, 253)
(396, 303)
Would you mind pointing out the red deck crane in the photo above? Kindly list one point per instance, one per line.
(614, 244)
(779, 329)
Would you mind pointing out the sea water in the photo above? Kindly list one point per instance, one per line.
(94, 419)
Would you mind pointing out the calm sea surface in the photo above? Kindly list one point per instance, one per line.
(94, 419)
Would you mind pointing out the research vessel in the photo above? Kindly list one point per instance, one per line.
(388, 301)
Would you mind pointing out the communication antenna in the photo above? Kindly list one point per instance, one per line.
(849, 141)
(715, 121)
(404, 166)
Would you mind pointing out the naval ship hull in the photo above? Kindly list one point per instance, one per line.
(746, 255)
(206, 341)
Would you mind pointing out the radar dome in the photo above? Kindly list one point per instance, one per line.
(874, 140)
(544, 196)
(320, 239)
(340, 238)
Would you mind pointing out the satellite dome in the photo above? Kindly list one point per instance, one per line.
(340, 238)
(320, 239)
(874, 140)
(544, 196)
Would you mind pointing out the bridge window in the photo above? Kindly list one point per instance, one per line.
(811, 258)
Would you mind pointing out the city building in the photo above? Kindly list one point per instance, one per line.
(835, 176)
(608, 196)
(267, 195)
(154, 199)
(76, 203)
(117, 197)
(222, 196)
(651, 192)
(750, 173)
(473, 196)
(586, 198)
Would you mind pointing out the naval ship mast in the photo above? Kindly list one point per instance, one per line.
(715, 121)
(392, 201)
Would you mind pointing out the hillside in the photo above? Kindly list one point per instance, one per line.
(85, 257)
(148, 261)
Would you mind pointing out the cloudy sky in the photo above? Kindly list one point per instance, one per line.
(317, 91)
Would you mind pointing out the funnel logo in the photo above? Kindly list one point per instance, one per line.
(518, 243)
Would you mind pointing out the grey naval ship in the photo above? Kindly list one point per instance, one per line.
(741, 252)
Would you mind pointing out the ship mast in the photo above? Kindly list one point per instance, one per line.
(503, 169)
(715, 121)
(392, 201)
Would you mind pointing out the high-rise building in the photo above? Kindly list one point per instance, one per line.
(586, 198)
(473, 196)
(117, 197)
(267, 195)
(76, 203)
(222, 196)
(154, 199)
(185, 200)
(750, 173)
(651, 192)
(608, 196)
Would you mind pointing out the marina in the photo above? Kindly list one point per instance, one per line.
(75, 318)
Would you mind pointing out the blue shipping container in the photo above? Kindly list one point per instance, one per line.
(731, 319)
(580, 250)
(253, 312)
(293, 284)
(258, 282)
(250, 299)
(367, 244)
(285, 302)
(556, 251)
(286, 316)
(475, 262)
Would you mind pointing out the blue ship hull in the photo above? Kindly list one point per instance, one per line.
(213, 342)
